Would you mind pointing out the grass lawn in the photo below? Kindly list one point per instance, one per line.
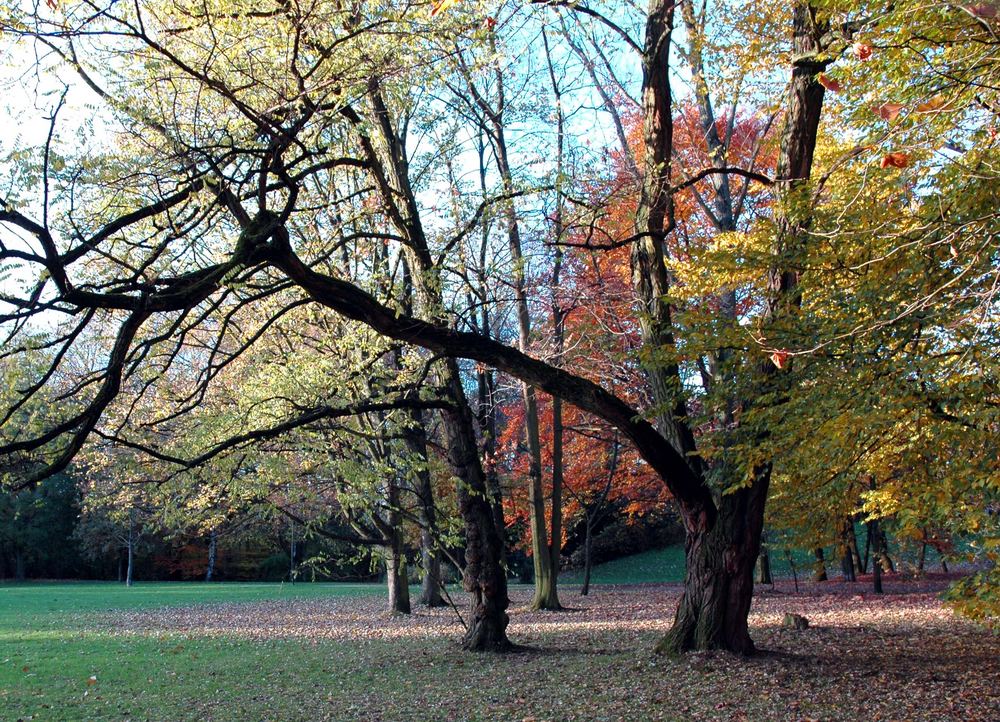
(91, 651)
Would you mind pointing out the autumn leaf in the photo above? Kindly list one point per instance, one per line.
(862, 51)
(92, 680)
(52, 5)
(441, 5)
(780, 359)
(895, 160)
(931, 106)
(889, 111)
(490, 23)
(829, 83)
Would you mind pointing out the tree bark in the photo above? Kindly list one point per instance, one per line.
(415, 438)
(875, 537)
(819, 566)
(718, 581)
(848, 547)
(396, 577)
(764, 562)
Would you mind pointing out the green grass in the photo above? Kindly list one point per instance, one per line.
(48, 651)
(655, 565)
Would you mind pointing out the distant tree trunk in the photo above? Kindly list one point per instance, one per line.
(212, 545)
(847, 556)
(868, 547)
(415, 438)
(851, 540)
(396, 577)
(875, 541)
(19, 565)
(819, 566)
(923, 554)
(130, 546)
(118, 553)
(888, 564)
(588, 563)
(764, 563)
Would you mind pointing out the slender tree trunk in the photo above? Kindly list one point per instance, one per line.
(922, 557)
(131, 555)
(889, 565)
(415, 438)
(545, 586)
(764, 563)
(819, 566)
(484, 577)
(588, 560)
(213, 539)
(874, 535)
(558, 339)
(19, 566)
(847, 555)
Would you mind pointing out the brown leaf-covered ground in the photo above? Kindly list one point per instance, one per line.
(899, 656)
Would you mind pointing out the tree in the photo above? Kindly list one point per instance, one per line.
(238, 181)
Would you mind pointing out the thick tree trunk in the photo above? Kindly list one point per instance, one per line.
(718, 582)
(213, 539)
(819, 566)
(396, 577)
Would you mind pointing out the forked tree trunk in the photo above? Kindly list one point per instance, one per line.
(484, 577)
(848, 550)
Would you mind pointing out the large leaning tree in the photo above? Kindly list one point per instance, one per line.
(204, 169)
